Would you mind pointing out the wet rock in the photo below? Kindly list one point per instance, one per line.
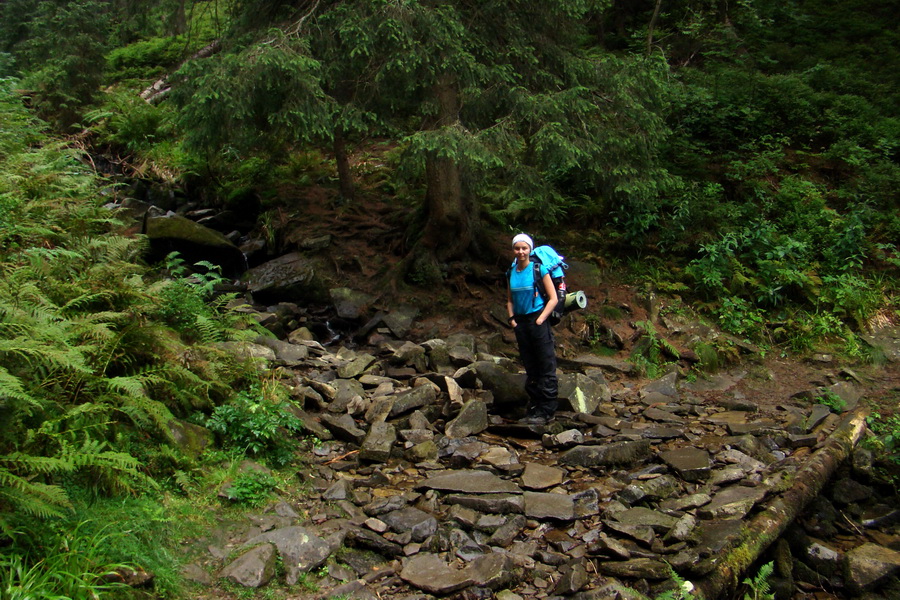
(572, 579)
(868, 566)
(286, 353)
(489, 503)
(621, 453)
(540, 477)
(635, 568)
(361, 538)
(194, 242)
(732, 502)
(420, 524)
(254, 568)
(430, 573)
(412, 399)
(291, 277)
(507, 533)
(343, 428)
(378, 443)
(300, 550)
(659, 522)
(400, 320)
(658, 488)
(348, 303)
(691, 464)
(469, 482)
(542, 506)
(846, 491)
(817, 414)
(472, 419)
(581, 394)
(356, 366)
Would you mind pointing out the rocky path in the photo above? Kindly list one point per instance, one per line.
(426, 486)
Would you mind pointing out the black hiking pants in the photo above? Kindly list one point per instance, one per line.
(538, 352)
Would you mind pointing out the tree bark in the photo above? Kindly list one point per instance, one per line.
(345, 176)
(766, 527)
(449, 215)
(652, 26)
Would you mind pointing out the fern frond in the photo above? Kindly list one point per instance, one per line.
(38, 499)
(11, 388)
(209, 330)
(27, 463)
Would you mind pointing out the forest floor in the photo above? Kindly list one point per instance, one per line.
(367, 242)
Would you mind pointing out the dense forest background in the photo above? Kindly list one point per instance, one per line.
(743, 155)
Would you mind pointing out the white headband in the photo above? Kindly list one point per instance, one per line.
(522, 237)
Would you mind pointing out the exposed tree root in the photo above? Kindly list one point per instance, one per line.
(766, 527)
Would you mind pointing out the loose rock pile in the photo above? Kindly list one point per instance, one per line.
(425, 484)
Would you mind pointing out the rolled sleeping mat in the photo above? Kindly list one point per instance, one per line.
(575, 300)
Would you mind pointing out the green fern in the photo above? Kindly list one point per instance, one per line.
(760, 589)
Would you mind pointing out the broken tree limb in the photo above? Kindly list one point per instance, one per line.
(767, 526)
(158, 90)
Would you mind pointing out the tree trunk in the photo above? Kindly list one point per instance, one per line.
(766, 527)
(450, 217)
(652, 26)
(345, 176)
(178, 20)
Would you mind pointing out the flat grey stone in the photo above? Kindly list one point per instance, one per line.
(541, 506)
(471, 420)
(621, 453)
(469, 482)
(732, 502)
(869, 565)
(541, 477)
(692, 464)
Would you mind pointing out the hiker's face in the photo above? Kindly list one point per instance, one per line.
(521, 250)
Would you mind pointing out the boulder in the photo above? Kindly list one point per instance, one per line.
(292, 277)
(193, 242)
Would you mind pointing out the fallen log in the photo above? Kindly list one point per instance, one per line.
(767, 526)
(158, 90)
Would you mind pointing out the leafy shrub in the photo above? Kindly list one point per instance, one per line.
(251, 488)
(256, 422)
(126, 121)
(191, 305)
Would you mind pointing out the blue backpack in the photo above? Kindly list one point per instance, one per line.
(550, 258)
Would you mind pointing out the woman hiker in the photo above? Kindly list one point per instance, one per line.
(528, 315)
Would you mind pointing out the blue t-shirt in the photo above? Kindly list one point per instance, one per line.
(525, 298)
